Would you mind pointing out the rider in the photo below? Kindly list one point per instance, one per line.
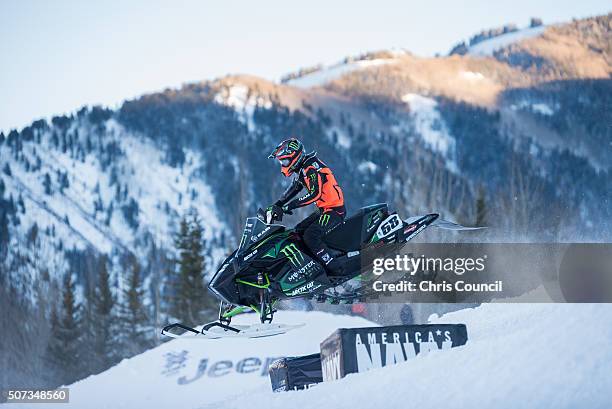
(321, 189)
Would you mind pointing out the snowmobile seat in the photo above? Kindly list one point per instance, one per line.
(357, 229)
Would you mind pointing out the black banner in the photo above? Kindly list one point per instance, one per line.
(295, 373)
(361, 349)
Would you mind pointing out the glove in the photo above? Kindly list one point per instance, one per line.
(274, 212)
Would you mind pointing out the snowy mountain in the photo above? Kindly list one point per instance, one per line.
(78, 199)
(81, 192)
(523, 131)
(547, 366)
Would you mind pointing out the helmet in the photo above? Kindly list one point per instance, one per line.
(290, 154)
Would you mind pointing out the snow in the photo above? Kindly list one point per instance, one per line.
(139, 163)
(367, 167)
(160, 378)
(542, 109)
(471, 76)
(239, 97)
(535, 355)
(146, 164)
(49, 210)
(327, 74)
(398, 52)
(430, 126)
(344, 141)
(535, 107)
(486, 48)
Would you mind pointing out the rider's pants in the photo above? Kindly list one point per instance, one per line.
(315, 226)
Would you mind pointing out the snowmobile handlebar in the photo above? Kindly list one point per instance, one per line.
(269, 217)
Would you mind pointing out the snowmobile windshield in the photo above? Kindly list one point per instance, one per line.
(254, 231)
(223, 283)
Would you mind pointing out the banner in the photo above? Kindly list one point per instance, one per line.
(296, 373)
(361, 349)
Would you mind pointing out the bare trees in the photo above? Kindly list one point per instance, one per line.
(520, 201)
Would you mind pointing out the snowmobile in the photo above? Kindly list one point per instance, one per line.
(272, 263)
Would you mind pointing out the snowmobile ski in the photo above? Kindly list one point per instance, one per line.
(216, 330)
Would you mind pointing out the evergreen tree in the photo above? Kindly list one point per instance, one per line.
(47, 184)
(103, 306)
(191, 302)
(202, 302)
(21, 203)
(32, 235)
(135, 323)
(178, 302)
(481, 209)
(54, 351)
(109, 214)
(117, 192)
(62, 180)
(64, 345)
(130, 213)
(5, 236)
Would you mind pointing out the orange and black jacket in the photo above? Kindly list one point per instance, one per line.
(321, 187)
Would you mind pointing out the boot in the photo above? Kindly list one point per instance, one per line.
(332, 264)
(336, 268)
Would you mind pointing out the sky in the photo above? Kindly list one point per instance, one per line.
(56, 56)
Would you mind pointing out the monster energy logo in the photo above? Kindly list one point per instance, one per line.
(293, 254)
(324, 219)
(294, 145)
(313, 181)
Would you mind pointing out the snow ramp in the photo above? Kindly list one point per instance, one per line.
(189, 373)
(518, 355)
